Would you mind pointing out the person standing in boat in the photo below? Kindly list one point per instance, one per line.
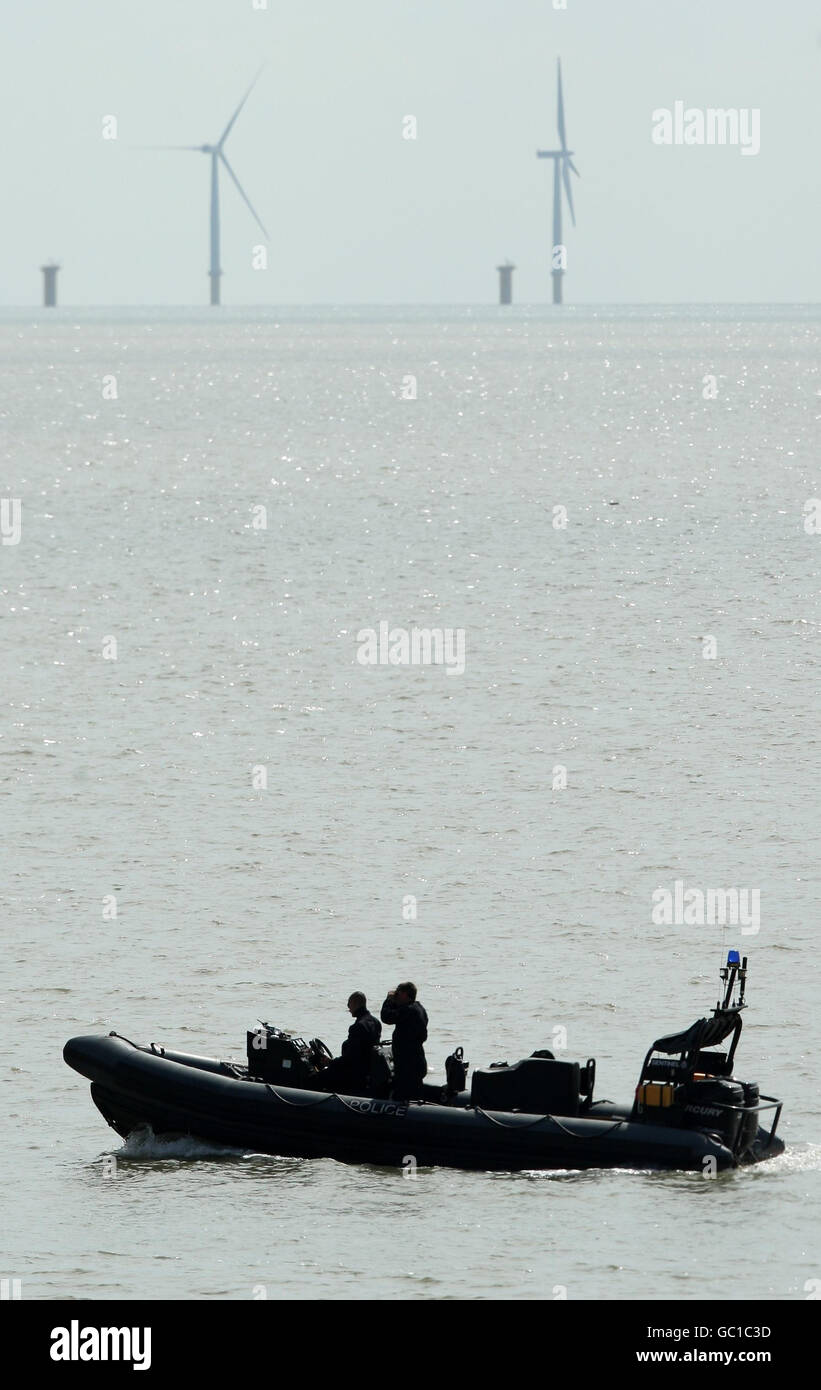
(350, 1071)
(410, 1031)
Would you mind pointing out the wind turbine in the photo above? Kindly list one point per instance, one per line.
(562, 164)
(217, 154)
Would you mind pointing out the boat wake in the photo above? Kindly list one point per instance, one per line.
(797, 1158)
(144, 1145)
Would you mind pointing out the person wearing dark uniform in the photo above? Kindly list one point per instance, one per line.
(350, 1071)
(410, 1030)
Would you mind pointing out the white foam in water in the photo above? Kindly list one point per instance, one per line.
(145, 1144)
(798, 1158)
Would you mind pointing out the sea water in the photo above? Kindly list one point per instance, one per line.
(215, 812)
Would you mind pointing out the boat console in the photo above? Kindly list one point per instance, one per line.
(283, 1058)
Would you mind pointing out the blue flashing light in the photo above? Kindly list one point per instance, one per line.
(733, 958)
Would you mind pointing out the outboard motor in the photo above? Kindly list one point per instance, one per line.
(704, 1105)
(749, 1120)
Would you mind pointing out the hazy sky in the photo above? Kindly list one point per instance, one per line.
(356, 213)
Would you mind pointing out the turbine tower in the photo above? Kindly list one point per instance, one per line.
(562, 164)
(217, 156)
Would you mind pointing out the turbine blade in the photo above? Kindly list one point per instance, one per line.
(230, 125)
(242, 193)
(566, 178)
(573, 167)
(198, 148)
(562, 133)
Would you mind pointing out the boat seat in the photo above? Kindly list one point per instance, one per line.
(380, 1080)
(536, 1086)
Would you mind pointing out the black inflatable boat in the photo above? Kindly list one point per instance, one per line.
(689, 1111)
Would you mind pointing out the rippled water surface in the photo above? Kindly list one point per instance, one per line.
(132, 779)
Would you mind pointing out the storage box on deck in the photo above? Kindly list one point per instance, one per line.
(536, 1086)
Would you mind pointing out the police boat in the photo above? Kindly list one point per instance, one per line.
(689, 1110)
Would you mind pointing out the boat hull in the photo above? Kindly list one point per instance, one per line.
(172, 1094)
